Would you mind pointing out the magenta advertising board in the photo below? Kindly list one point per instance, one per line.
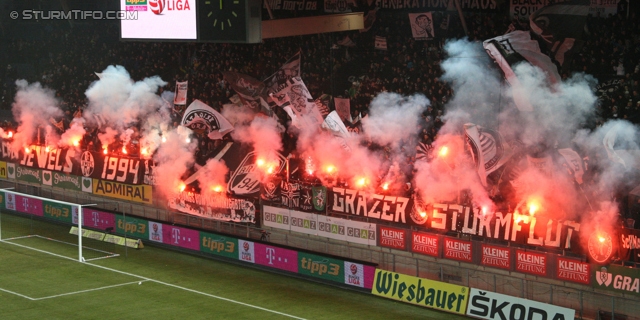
(28, 205)
(180, 237)
(274, 257)
(96, 219)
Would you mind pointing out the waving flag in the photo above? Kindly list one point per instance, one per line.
(201, 118)
(574, 163)
(512, 49)
(560, 26)
(487, 148)
(334, 124)
(251, 91)
(288, 70)
(296, 96)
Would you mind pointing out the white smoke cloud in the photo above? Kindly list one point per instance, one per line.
(173, 159)
(33, 106)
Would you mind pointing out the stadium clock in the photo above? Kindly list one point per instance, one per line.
(229, 21)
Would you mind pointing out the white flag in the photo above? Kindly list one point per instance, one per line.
(334, 124)
(609, 141)
(296, 95)
(200, 117)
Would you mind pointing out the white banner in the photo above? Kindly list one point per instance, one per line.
(320, 225)
(491, 305)
(181, 93)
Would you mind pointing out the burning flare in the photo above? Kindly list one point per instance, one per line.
(443, 151)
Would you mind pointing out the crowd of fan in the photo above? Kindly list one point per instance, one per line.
(65, 59)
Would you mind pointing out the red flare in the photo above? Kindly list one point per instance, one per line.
(330, 168)
(443, 151)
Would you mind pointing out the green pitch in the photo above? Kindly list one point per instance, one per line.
(40, 278)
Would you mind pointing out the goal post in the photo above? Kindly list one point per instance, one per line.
(26, 207)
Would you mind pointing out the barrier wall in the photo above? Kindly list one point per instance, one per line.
(584, 299)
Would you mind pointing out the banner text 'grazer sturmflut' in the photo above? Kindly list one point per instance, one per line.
(532, 230)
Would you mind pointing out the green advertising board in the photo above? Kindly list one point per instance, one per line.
(616, 278)
(57, 211)
(219, 245)
(3, 195)
(321, 267)
(133, 227)
(62, 180)
(27, 174)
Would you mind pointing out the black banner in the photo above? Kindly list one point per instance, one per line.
(438, 5)
(294, 195)
(629, 244)
(73, 161)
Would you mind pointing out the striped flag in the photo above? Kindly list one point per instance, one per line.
(424, 152)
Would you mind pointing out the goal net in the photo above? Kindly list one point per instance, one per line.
(52, 226)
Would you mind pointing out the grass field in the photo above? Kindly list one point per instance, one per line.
(40, 278)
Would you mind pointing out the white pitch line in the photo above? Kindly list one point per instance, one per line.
(16, 238)
(163, 283)
(198, 292)
(88, 290)
(17, 294)
(105, 257)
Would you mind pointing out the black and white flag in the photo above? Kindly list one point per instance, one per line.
(488, 150)
(560, 27)
(515, 48)
(200, 117)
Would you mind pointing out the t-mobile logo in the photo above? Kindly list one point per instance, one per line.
(25, 204)
(176, 235)
(272, 256)
(95, 218)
